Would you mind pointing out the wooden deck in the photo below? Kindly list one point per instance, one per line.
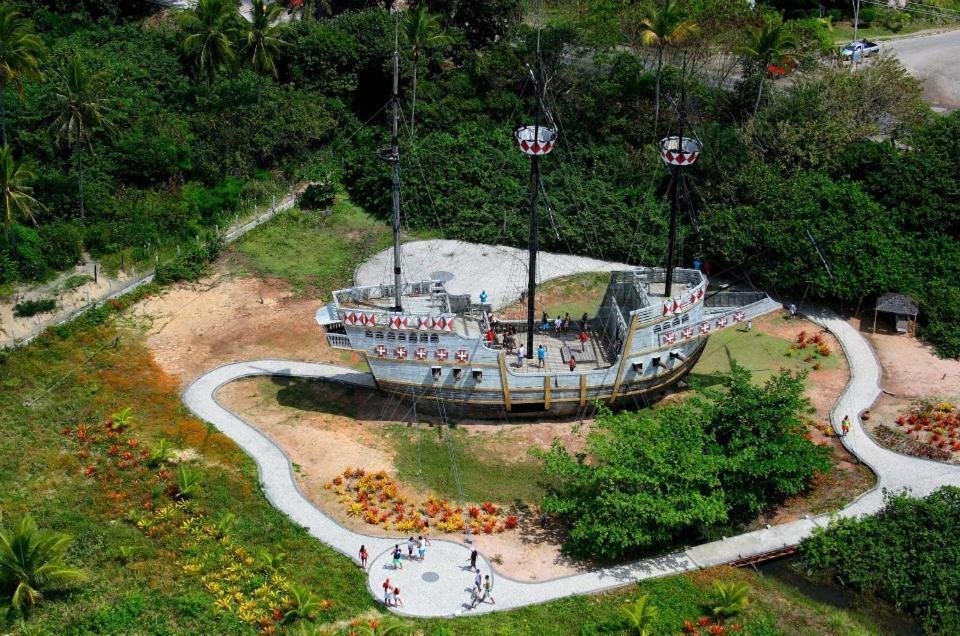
(590, 359)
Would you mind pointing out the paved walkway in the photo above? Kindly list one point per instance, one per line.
(440, 585)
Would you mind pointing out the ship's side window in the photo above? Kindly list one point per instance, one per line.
(402, 337)
(369, 334)
(391, 335)
(676, 321)
(434, 338)
(686, 318)
(656, 329)
(424, 337)
(379, 335)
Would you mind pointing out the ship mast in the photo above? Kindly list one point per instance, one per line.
(677, 152)
(393, 156)
(536, 141)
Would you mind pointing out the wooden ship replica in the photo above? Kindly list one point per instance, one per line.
(433, 347)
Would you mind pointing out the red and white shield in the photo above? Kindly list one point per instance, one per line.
(676, 307)
(700, 293)
(738, 317)
(670, 338)
(440, 323)
(401, 353)
(462, 355)
(705, 327)
(441, 354)
(372, 320)
(396, 322)
(450, 325)
(686, 332)
(349, 317)
(666, 308)
(362, 317)
(693, 298)
(721, 322)
(380, 350)
(420, 353)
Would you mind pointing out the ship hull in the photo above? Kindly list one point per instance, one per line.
(553, 400)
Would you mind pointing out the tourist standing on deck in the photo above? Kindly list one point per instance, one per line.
(573, 363)
(521, 354)
(541, 355)
(583, 340)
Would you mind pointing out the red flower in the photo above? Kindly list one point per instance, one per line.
(511, 522)
(703, 621)
(474, 512)
(67, 430)
(689, 627)
(91, 469)
(735, 627)
(717, 629)
(489, 508)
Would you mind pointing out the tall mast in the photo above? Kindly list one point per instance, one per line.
(395, 170)
(533, 240)
(677, 152)
(536, 141)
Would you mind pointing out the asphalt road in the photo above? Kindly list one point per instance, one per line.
(935, 61)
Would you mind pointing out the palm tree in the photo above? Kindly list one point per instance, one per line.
(728, 599)
(662, 26)
(18, 198)
(420, 28)
(640, 613)
(20, 53)
(209, 31)
(31, 560)
(263, 41)
(82, 109)
(765, 46)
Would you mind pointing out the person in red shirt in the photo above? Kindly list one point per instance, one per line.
(583, 340)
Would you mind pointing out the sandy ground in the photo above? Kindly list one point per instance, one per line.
(911, 371)
(321, 445)
(195, 327)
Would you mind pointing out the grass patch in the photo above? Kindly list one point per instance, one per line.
(313, 252)
(842, 33)
(74, 281)
(576, 295)
(758, 352)
(483, 472)
(29, 308)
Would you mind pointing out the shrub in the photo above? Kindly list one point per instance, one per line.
(29, 308)
(62, 245)
(318, 196)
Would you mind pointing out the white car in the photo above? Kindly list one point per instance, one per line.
(863, 48)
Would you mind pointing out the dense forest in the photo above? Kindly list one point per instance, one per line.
(135, 126)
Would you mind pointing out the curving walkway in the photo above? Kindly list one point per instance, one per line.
(440, 585)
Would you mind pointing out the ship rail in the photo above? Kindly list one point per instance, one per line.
(338, 341)
(733, 298)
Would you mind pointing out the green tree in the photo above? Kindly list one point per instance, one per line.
(18, 201)
(20, 53)
(209, 32)
(728, 600)
(640, 614)
(660, 26)
(82, 109)
(420, 29)
(649, 480)
(31, 562)
(760, 431)
(263, 41)
(762, 47)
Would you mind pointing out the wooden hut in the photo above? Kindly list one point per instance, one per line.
(903, 308)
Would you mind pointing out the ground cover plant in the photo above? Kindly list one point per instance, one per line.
(905, 554)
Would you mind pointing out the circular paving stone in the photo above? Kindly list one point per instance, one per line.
(430, 577)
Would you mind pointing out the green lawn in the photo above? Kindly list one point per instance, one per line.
(842, 33)
(758, 352)
(313, 252)
(483, 473)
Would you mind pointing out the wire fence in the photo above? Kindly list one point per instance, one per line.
(12, 335)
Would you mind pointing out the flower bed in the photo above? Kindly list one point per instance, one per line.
(143, 487)
(812, 347)
(934, 426)
(376, 498)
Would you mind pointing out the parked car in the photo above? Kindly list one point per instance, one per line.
(863, 48)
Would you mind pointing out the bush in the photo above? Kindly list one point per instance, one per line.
(62, 245)
(318, 196)
(190, 265)
(893, 20)
(906, 554)
(29, 308)
(867, 16)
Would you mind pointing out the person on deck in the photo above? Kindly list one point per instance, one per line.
(573, 363)
(583, 339)
(583, 321)
(566, 322)
(491, 337)
(557, 324)
(521, 354)
(541, 355)
(483, 297)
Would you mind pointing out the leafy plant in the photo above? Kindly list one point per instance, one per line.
(161, 453)
(31, 562)
(640, 614)
(188, 482)
(27, 308)
(121, 420)
(728, 600)
(304, 604)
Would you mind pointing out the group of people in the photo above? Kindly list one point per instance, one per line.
(482, 587)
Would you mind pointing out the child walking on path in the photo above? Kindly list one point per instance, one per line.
(845, 425)
(363, 557)
(397, 565)
(473, 562)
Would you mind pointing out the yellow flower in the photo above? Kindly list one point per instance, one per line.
(223, 604)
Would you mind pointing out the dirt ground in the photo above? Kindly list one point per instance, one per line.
(194, 327)
(911, 371)
(322, 445)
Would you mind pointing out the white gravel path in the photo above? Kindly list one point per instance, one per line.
(440, 585)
